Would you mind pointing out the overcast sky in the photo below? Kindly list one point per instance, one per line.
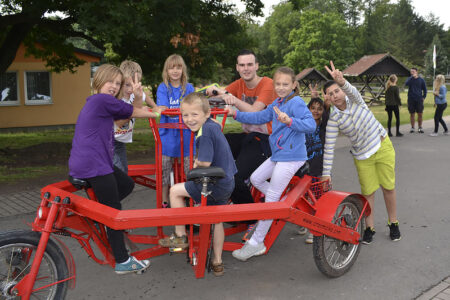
(440, 8)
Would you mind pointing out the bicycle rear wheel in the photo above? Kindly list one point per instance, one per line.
(17, 252)
(335, 257)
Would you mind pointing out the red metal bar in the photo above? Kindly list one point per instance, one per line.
(25, 286)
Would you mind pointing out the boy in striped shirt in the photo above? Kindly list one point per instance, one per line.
(372, 150)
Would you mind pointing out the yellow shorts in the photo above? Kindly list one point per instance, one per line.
(379, 169)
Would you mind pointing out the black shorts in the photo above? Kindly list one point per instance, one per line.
(220, 192)
(415, 106)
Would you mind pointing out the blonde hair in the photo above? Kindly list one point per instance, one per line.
(105, 73)
(438, 82)
(287, 71)
(172, 61)
(391, 81)
(129, 68)
(198, 98)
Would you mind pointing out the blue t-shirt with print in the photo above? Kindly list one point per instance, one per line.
(212, 146)
(171, 97)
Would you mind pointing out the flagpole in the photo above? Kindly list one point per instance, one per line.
(434, 62)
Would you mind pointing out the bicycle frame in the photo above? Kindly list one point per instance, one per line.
(83, 219)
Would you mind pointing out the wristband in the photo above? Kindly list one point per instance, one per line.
(157, 114)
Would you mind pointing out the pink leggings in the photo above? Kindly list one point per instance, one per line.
(279, 173)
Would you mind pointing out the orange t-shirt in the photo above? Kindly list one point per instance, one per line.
(263, 92)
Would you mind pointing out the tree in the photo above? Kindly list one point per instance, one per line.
(273, 36)
(321, 37)
(144, 30)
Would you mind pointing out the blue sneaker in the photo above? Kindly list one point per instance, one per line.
(132, 265)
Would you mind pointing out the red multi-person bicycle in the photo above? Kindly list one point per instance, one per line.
(37, 263)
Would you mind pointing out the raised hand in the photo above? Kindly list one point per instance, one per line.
(313, 90)
(336, 74)
(281, 116)
(137, 87)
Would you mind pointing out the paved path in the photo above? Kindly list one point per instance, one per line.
(420, 201)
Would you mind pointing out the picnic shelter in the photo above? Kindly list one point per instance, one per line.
(374, 71)
(309, 76)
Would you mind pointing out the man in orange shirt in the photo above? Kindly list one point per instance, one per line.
(250, 148)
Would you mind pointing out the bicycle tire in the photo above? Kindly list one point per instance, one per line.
(17, 250)
(346, 254)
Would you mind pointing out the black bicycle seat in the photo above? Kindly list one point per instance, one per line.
(210, 172)
(303, 170)
(216, 101)
(79, 183)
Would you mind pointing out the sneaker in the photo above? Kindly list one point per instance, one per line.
(399, 134)
(394, 232)
(302, 230)
(412, 130)
(368, 236)
(218, 269)
(433, 134)
(248, 234)
(389, 134)
(309, 239)
(420, 130)
(446, 133)
(132, 265)
(174, 241)
(248, 251)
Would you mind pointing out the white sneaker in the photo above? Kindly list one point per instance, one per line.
(302, 230)
(248, 251)
(433, 134)
(309, 239)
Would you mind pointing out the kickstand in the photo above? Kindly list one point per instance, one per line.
(208, 257)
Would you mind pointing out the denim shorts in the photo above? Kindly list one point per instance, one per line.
(220, 195)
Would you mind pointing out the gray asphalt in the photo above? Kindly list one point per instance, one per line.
(416, 266)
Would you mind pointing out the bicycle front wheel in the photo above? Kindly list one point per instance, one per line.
(17, 252)
(335, 257)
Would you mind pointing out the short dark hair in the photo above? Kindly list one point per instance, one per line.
(247, 52)
(327, 85)
(315, 100)
(414, 68)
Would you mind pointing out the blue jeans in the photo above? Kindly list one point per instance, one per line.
(120, 156)
(438, 117)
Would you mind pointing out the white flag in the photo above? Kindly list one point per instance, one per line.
(434, 57)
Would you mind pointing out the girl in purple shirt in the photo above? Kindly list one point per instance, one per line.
(91, 157)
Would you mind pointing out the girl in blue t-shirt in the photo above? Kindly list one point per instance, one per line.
(291, 120)
(170, 92)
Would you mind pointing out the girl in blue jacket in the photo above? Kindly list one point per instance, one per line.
(291, 119)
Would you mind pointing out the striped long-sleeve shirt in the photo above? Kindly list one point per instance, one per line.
(358, 123)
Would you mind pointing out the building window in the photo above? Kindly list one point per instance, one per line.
(38, 88)
(8, 89)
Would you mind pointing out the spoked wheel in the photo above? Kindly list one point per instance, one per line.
(335, 257)
(17, 251)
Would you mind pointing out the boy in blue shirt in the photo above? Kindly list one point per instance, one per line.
(212, 150)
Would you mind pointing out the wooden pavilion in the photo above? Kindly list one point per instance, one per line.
(309, 76)
(375, 69)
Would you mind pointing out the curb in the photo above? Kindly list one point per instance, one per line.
(441, 291)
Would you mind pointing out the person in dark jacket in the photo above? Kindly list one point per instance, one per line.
(393, 102)
(417, 92)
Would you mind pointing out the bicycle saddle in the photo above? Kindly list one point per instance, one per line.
(303, 170)
(79, 183)
(198, 173)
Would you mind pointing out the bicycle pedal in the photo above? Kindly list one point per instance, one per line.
(177, 250)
